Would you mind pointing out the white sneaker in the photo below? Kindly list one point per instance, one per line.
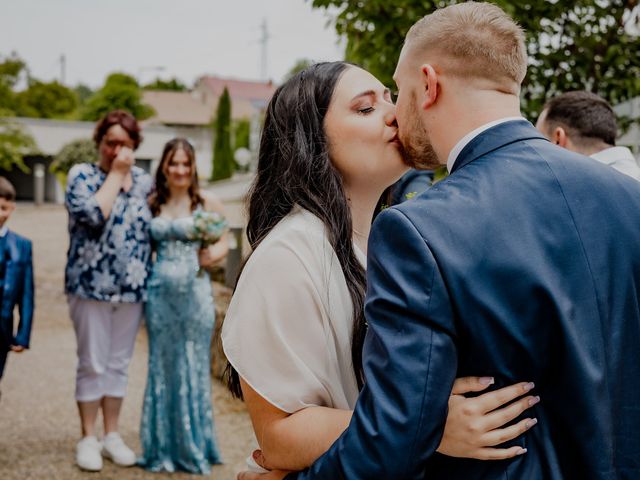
(114, 448)
(88, 454)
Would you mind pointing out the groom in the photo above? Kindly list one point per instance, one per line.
(523, 263)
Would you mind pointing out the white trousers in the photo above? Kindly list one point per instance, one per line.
(105, 333)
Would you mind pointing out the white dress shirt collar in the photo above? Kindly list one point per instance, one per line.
(610, 155)
(3, 231)
(455, 151)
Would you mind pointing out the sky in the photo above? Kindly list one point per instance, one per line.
(163, 38)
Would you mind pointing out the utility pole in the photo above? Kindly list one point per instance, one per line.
(63, 69)
(264, 39)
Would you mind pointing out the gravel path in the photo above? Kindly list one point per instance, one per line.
(39, 426)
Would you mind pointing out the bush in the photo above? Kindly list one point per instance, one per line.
(77, 151)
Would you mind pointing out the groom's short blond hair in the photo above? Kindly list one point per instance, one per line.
(472, 40)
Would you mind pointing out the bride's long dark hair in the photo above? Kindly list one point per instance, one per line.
(294, 168)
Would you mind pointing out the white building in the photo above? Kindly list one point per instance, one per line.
(631, 138)
(51, 135)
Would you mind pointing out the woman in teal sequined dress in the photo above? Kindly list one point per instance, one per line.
(177, 428)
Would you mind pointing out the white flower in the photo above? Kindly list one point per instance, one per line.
(102, 281)
(118, 234)
(129, 214)
(119, 264)
(141, 232)
(128, 297)
(81, 191)
(136, 273)
(89, 254)
(631, 20)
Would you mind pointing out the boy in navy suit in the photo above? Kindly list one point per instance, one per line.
(16, 280)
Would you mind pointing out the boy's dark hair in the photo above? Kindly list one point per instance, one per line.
(585, 115)
(6, 190)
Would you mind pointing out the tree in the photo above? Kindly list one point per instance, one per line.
(174, 85)
(46, 100)
(15, 144)
(222, 155)
(83, 92)
(77, 151)
(11, 68)
(241, 135)
(300, 65)
(120, 91)
(572, 45)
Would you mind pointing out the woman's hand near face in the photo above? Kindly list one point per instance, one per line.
(123, 162)
(119, 178)
(475, 425)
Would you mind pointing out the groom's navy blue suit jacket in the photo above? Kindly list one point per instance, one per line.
(523, 264)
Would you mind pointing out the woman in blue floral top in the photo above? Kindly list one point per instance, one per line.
(107, 267)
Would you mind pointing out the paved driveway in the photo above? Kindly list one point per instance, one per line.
(38, 421)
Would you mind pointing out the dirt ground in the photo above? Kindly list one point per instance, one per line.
(39, 426)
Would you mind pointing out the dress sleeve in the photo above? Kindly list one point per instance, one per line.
(80, 198)
(275, 333)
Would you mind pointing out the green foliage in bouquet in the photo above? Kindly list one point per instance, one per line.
(207, 229)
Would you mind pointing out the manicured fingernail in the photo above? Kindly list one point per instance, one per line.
(529, 386)
(256, 454)
(487, 380)
(531, 423)
(522, 451)
(533, 401)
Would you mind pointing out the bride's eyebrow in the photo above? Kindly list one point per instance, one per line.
(371, 93)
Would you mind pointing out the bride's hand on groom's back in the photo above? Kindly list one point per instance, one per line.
(475, 425)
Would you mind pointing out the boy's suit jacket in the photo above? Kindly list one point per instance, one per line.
(17, 290)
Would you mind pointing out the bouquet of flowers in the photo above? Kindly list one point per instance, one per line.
(207, 229)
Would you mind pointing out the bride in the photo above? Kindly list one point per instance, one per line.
(295, 327)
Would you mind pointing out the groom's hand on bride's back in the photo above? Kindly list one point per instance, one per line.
(475, 425)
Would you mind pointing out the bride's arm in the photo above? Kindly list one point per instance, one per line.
(293, 441)
(473, 427)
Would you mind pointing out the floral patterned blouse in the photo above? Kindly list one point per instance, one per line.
(108, 259)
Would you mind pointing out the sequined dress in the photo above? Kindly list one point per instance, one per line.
(177, 428)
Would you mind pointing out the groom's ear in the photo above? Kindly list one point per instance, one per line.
(429, 79)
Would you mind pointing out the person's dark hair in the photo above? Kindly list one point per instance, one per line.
(122, 118)
(586, 116)
(161, 192)
(6, 190)
(294, 168)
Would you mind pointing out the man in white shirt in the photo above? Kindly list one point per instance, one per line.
(583, 122)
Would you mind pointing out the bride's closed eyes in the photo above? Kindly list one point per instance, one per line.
(364, 103)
